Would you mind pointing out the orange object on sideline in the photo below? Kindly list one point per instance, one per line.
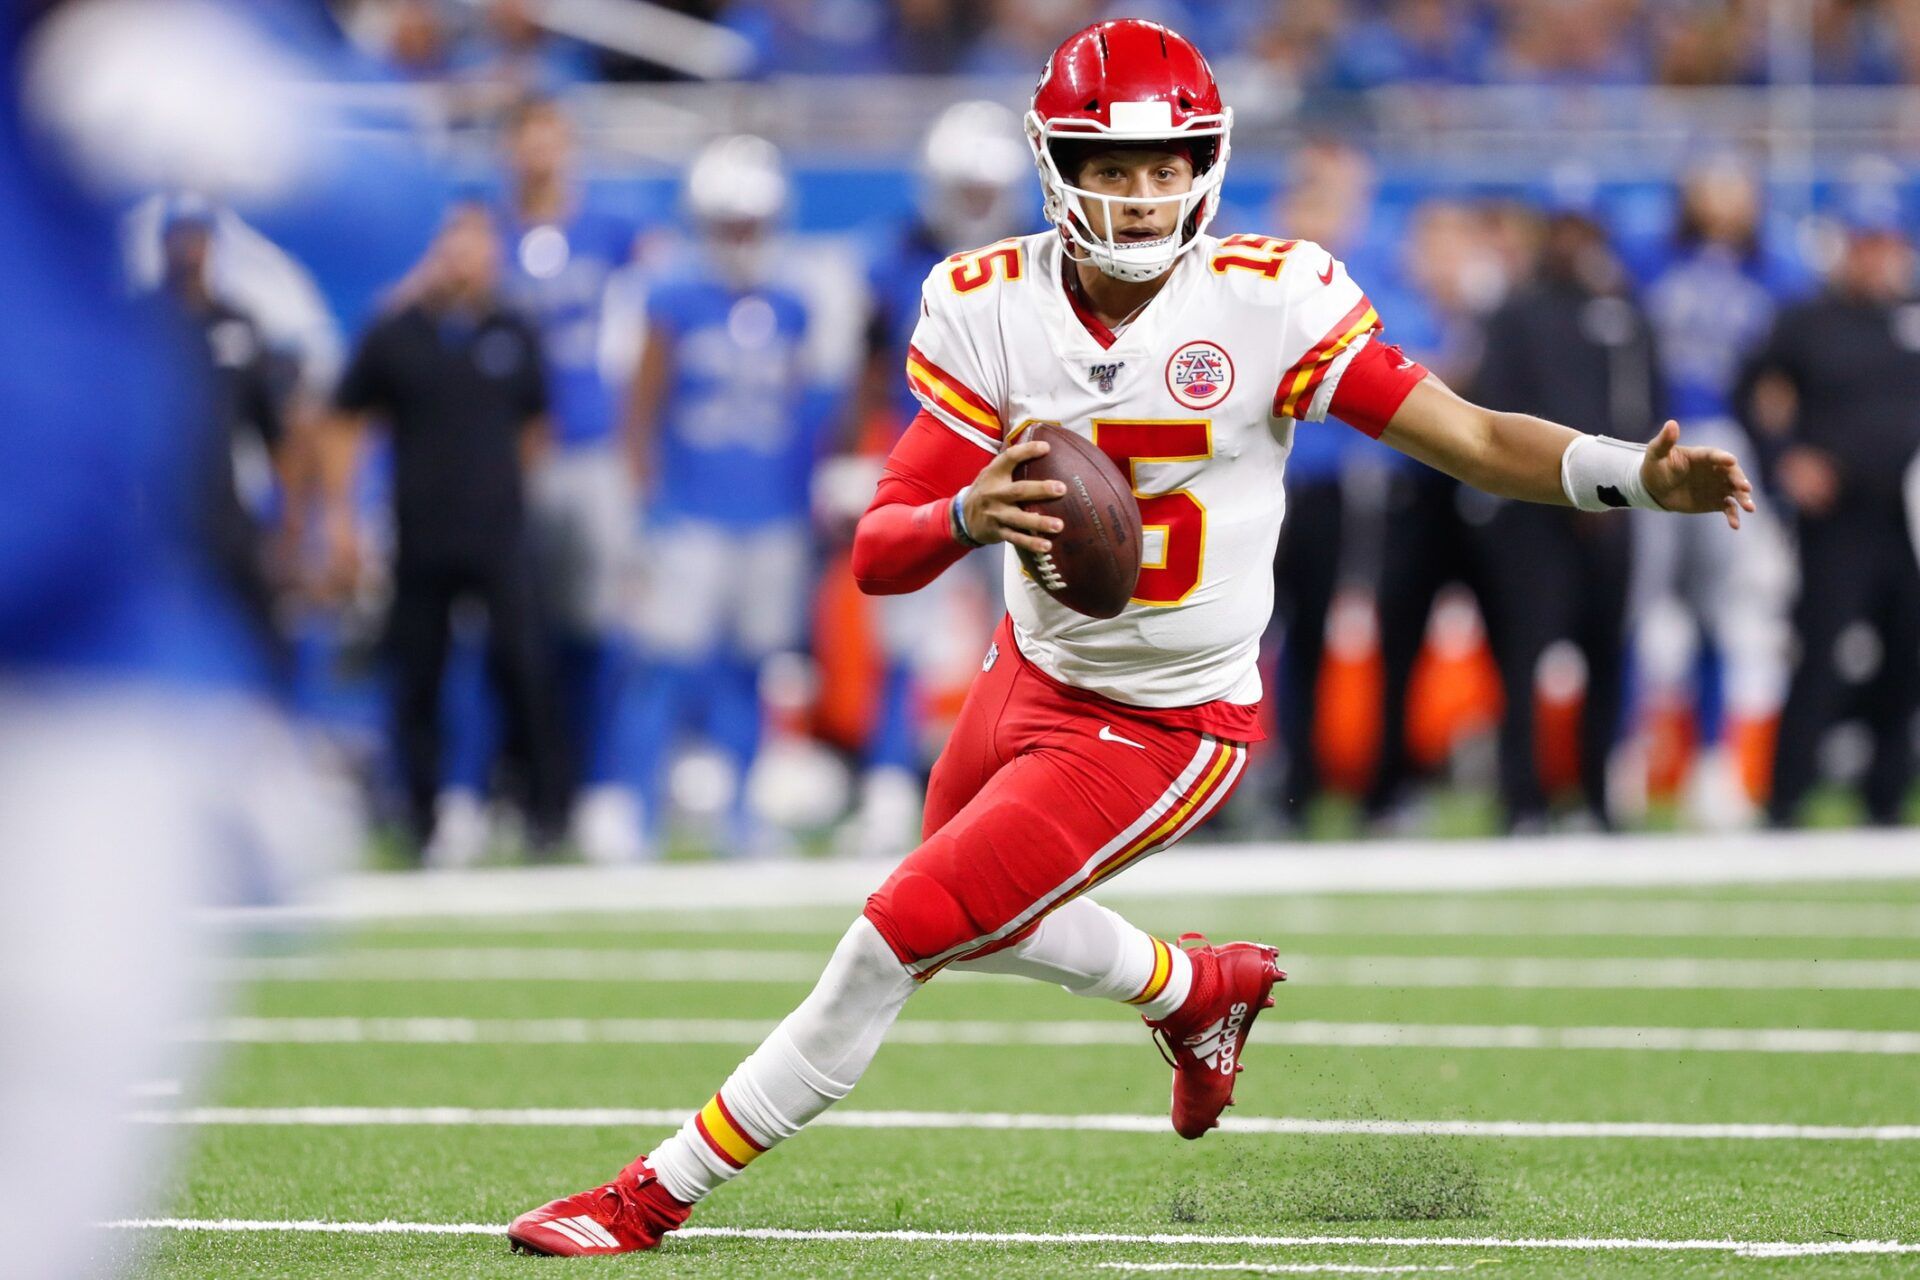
(1753, 739)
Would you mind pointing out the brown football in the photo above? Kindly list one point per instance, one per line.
(1095, 561)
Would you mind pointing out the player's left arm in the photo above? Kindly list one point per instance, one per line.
(1514, 455)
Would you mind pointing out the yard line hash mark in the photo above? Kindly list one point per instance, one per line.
(1079, 1034)
(634, 1117)
(1743, 1248)
(541, 964)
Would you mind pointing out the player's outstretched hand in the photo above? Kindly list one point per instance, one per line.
(992, 510)
(1696, 481)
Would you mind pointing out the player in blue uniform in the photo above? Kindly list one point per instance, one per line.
(726, 453)
(137, 753)
(568, 254)
(972, 191)
(1710, 307)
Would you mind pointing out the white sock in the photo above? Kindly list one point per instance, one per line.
(811, 1061)
(1094, 952)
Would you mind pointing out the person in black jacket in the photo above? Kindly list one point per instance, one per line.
(249, 384)
(460, 384)
(1834, 399)
(1573, 346)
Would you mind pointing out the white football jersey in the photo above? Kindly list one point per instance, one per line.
(1197, 399)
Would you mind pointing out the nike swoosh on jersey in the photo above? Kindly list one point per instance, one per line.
(1326, 277)
(1108, 735)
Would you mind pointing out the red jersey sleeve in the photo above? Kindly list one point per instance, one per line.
(905, 540)
(1373, 386)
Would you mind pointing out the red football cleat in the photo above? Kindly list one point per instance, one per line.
(1203, 1040)
(627, 1215)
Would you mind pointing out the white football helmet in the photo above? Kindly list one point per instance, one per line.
(972, 167)
(736, 192)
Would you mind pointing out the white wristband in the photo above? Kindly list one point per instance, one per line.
(1599, 473)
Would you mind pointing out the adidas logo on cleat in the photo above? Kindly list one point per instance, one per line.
(1216, 1045)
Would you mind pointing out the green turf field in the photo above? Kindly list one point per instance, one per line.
(1576, 1008)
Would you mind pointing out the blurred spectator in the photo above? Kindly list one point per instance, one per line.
(1835, 394)
(1854, 42)
(412, 39)
(458, 382)
(973, 187)
(725, 456)
(512, 48)
(1021, 33)
(249, 387)
(1571, 345)
(1458, 274)
(817, 37)
(1698, 580)
(567, 253)
(1291, 52)
(1705, 44)
(1569, 42)
(1411, 42)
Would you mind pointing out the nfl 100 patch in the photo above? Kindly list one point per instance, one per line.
(1200, 374)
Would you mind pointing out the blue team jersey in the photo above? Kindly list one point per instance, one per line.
(735, 444)
(894, 278)
(106, 431)
(558, 277)
(1709, 309)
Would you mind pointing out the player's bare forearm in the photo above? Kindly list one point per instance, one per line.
(1509, 455)
(337, 443)
(1512, 455)
(645, 397)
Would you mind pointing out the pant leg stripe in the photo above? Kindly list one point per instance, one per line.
(1221, 760)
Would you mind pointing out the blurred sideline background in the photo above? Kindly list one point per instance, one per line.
(1673, 178)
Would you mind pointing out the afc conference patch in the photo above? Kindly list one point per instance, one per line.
(1200, 374)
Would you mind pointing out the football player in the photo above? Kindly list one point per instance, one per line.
(720, 438)
(1088, 744)
(1695, 584)
(567, 252)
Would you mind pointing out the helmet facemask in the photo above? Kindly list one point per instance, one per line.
(1067, 205)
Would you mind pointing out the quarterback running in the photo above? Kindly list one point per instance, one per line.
(1087, 744)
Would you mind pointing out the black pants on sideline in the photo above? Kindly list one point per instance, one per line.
(1427, 543)
(418, 634)
(1305, 572)
(1554, 574)
(1856, 565)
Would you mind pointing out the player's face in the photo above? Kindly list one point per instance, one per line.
(542, 146)
(1140, 183)
(187, 249)
(468, 254)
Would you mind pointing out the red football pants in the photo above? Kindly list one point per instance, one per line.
(1043, 791)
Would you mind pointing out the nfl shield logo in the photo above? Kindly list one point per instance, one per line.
(1103, 375)
(1200, 374)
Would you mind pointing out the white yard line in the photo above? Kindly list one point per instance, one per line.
(1402, 866)
(1275, 1268)
(1745, 1248)
(641, 1117)
(604, 965)
(1437, 915)
(1082, 1033)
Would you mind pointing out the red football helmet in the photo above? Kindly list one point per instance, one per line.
(1129, 81)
